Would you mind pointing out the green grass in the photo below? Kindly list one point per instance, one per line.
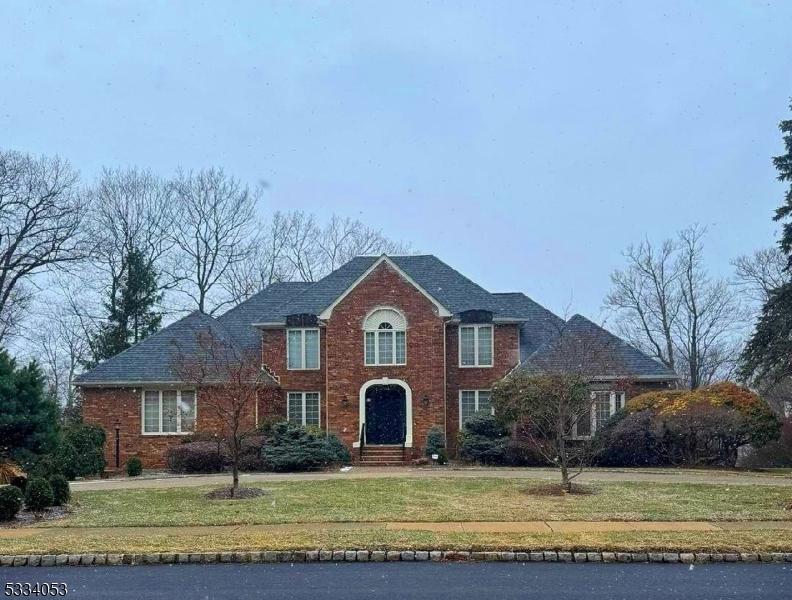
(437, 499)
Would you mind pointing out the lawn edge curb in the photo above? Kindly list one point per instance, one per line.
(374, 556)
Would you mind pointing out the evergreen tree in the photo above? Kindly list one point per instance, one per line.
(767, 358)
(28, 415)
(131, 309)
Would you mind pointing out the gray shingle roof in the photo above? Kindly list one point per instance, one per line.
(239, 320)
(151, 360)
(449, 287)
(540, 325)
(584, 347)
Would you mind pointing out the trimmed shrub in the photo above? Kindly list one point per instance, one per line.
(134, 467)
(435, 440)
(339, 453)
(483, 440)
(250, 458)
(627, 440)
(46, 467)
(772, 455)
(38, 494)
(10, 502)
(520, 452)
(61, 493)
(197, 457)
(291, 447)
(81, 451)
(705, 426)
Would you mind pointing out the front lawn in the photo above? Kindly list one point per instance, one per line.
(435, 499)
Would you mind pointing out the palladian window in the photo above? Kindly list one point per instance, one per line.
(385, 337)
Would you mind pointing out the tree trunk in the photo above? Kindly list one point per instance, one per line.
(566, 484)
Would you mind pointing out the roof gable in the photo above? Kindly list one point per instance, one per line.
(442, 310)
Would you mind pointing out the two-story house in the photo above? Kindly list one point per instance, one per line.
(377, 352)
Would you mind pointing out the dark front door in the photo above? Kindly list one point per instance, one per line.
(386, 413)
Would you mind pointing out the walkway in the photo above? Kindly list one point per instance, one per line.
(165, 480)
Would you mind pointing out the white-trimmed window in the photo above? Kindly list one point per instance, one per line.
(475, 345)
(303, 408)
(603, 406)
(168, 412)
(473, 401)
(385, 338)
(302, 349)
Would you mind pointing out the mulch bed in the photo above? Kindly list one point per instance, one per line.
(26, 517)
(241, 493)
(555, 489)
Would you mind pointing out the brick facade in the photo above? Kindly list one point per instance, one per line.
(432, 373)
(122, 408)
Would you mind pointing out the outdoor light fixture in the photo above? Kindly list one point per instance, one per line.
(117, 426)
(425, 400)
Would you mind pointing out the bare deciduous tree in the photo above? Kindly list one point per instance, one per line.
(41, 218)
(217, 229)
(671, 308)
(343, 238)
(761, 272)
(295, 247)
(132, 211)
(710, 316)
(646, 295)
(552, 398)
(227, 379)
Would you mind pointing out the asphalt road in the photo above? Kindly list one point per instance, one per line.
(433, 581)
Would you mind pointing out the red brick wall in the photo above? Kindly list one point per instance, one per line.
(345, 361)
(505, 358)
(274, 356)
(106, 406)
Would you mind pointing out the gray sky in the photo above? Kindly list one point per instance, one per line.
(524, 143)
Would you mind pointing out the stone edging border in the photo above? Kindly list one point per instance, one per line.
(56, 560)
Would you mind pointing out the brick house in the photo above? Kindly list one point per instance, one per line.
(377, 352)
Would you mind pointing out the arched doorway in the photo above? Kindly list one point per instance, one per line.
(386, 409)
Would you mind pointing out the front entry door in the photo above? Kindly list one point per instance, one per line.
(386, 414)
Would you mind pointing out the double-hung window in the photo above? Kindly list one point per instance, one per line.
(168, 412)
(303, 408)
(302, 349)
(475, 345)
(604, 404)
(385, 338)
(473, 401)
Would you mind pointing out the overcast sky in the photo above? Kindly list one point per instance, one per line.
(524, 143)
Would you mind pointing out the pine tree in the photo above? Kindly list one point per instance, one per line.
(131, 309)
(766, 358)
(28, 415)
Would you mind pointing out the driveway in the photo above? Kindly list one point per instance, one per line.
(419, 581)
(165, 480)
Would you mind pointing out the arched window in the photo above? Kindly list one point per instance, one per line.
(385, 337)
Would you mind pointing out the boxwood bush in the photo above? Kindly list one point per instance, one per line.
(291, 447)
(197, 457)
(61, 494)
(134, 467)
(10, 502)
(38, 494)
